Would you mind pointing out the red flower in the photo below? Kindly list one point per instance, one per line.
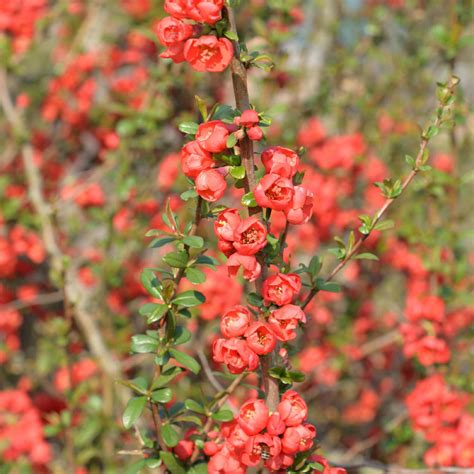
(236, 354)
(210, 185)
(175, 52)
(184, 449)
(281, 288)
(284, 321)
(301, 208)
(292, 408)
(227, 248)
(298, 438)
(257, 445)
(251, 267)
(203, 11)
(253, 416)
(194, 159)
(225, 462)
(249, 118)
(312, 133)
(275, 426)
(208, 53)
(170, 31)
(255, 133)
(274, 192)
(226, 223)
(212, 136)
(260, 338)
(281, 161)
(235, 321)
(250, 236)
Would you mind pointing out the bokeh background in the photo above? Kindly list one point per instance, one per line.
(89, 130)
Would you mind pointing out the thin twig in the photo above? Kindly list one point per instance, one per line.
(380, 213)
(242, 101)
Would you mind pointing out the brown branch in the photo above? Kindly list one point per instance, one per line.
(38, 300)
(386, 205)
(242, 101)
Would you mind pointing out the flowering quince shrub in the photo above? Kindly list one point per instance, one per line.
(274, 322)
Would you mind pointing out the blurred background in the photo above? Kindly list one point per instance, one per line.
(89, 155)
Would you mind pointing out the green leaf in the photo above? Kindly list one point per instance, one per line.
(181, 335)
(177, 259)
(133, 410)
(161, 242)
(166, 377)
(189, 299)
(144, 344)
(153, 463)
(431, 132)
(151, 283)
(237, 172)
(173, 465)
(231, 35)
(201, 106)
(138, 384)
(189, 194)
(196, 276)
(225, 112)
(330, 286)
(170, 436)
(190, 419)
(136, 467)
(223, 415)
(206, 260)
(195, 406)
(189, 128)
(248, 200)
(231, 141)
(366, 256)
(153, 311)
(163, 395)
(255, 299)
(315, 266)
(193, 241)
(186, 361)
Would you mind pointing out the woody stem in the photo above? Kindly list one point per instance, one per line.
(242, 102)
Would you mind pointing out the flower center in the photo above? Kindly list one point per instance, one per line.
(250, 236)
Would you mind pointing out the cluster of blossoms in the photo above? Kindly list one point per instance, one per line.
(199, 157)
(185, 41)
(439, 413)
(257, 436)
(18, 19)
(197, 160)
(21, 429)
(246, 338)
(421, 333)
(276, 189)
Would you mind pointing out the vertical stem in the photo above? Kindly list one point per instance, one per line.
(242, 101)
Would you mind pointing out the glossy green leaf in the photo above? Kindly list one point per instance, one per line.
(162, 395)
(177, 259)
(170, 436)
(189, 299)
(196, 276)
(172, 463)
(193, 241)
(133, 410)
(186, 360)
(151, 283)
(144, 344)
